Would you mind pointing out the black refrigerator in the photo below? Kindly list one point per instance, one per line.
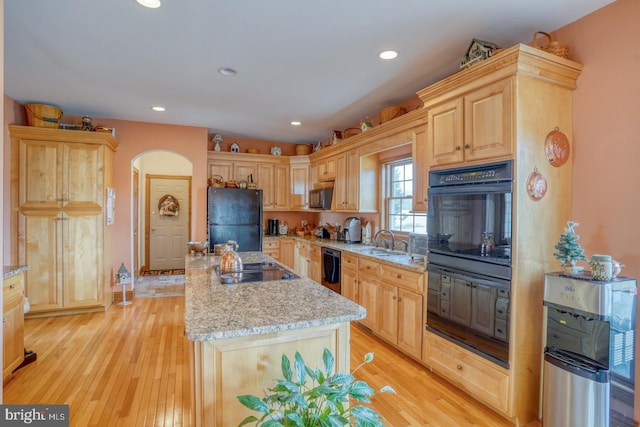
(235, 214)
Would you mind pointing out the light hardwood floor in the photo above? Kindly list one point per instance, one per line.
(130, 367)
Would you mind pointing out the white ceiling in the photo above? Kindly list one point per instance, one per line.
(313, 61)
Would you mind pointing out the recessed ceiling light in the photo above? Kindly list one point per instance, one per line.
(158, 108)
(227, 71)
(388, 54)
(151, 4)
(296, 123)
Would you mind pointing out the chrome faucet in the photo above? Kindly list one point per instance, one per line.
(386, 242)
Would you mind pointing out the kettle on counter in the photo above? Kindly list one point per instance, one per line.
(230, 260)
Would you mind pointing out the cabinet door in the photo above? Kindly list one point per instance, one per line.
(301, 259)
(83, 176)
(223, 169)
(420, 169)
(242, 170)
(445, 133)
(327, 169)
(349, 284)
(40, 170)
(460, 302)
(287, 252)
(315, 263)
(12, 324)
(410, 322)
(489, 121)
(41, 233)
(265, 183)
(368, 294)
(388, 312)
(280, 189)
(299, 193)
(483, 308)
(83, 276)
(346, 190)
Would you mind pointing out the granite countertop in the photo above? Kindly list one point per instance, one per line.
(12, 270)
(393, 258)
(216, 311)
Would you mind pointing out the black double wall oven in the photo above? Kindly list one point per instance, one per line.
(469, 257)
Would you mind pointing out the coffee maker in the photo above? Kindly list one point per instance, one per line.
(352, 230)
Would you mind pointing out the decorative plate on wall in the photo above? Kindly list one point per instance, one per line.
(557, 148)
(536, 185)
(168, 205)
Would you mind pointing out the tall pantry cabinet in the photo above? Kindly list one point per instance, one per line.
(60, 180)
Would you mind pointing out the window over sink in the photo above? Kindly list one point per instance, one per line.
(398, 198)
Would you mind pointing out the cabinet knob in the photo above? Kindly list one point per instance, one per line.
(399, 276)
(399, 299)
(458, 147)
(12, 286)
(467, 146)
(459, 367)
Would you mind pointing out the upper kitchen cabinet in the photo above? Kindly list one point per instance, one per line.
(420, 168)
(326, 169)
(56, 174)
(60, 181)
(273, 180)
(473, 127)
(299, 178)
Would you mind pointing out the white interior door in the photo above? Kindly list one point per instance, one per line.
(169, 209)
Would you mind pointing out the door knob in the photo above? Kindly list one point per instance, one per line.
(153, 229)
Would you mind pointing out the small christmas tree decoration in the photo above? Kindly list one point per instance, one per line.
(568, 250)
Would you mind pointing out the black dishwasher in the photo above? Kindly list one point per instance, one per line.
(331, 269)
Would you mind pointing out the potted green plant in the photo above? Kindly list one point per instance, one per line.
(568, 250)
(314, 397)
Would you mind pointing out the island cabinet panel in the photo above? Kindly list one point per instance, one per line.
(227, 368)
(287, 252)
(61, 183)
(12, 324)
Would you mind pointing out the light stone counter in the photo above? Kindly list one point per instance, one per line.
(216, 311)
(238, 333)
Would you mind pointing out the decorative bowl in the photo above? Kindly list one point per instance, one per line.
(198, 248)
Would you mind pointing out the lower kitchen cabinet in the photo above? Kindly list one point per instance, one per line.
(307, 260)
(12, 324)
(271, 247)
(484, 380)
(349, 277)
(287, 252)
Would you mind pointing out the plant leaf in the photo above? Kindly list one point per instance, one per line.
(254, 403)
(361, 391)
(300, 368)
(249, 419)
(366, 417)
(387, 389)
(368, 357)
(329, 361)
(286, 368)
(340, 378)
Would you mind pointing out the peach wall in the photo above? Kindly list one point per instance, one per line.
(607, 131)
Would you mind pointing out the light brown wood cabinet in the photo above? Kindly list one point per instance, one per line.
(349, 276)
(273, 180)
(326, 169)
(368, 292)
(280, 249)
(419, 150)
(62, 181)
(271, 247)
(299, 191)
(476, 126)
(12, 324)
(484, 380)
(307, 261)
(346, 193)
(504, 108)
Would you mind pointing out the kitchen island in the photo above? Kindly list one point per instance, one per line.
(239, 332)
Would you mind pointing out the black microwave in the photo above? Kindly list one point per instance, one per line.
(320, 198)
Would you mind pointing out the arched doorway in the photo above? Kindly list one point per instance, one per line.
(162, 199)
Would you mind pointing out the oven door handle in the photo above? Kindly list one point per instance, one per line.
(480, 188)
